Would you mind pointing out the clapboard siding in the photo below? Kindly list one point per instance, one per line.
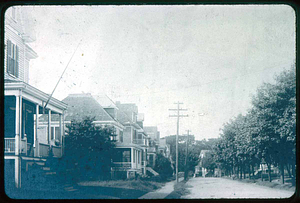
(17, 40)
(13, 30)
(15, 23)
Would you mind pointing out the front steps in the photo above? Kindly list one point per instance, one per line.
(152, 171)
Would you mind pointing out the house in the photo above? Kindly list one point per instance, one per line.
(200, 169)
(154, 134)
(135, 143)
(132, 146)
(24, 105)
(131, 141)
(164, 148)
(81, 106)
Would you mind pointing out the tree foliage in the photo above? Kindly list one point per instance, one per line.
(194, 148)
(266, 134)
(89, 149)
(163, 167)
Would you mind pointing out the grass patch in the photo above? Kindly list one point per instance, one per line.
(274, 184)
(142, 185)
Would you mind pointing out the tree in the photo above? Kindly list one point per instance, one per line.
(275, 107)
(194, 148)
(208, 162)
(163, 167)
(266, 134)
(89, 150)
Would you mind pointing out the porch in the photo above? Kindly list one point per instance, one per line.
(139, 141)
(23, 106)
(42, 150)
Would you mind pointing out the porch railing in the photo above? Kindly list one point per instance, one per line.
(23, 146)
(139, 141)
(29, 148)
(9, 145)
(143, 163)
(44, 149)
(122, 164)
(56, 151)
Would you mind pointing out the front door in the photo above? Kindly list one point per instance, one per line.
(28, 125)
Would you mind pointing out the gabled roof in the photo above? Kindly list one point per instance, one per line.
(81, 106)
(105, 101)
(128, 109)
(123, 118)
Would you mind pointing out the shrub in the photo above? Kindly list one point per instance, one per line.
(163, 167)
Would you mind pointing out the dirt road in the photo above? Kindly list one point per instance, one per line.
(203, 188)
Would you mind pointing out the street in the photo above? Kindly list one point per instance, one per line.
(204, 188)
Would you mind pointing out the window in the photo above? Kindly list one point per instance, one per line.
(12, 59)
(126, 155)
(121, 136)
(122, 155)
(133, 156)
(57, 133)
(140, 136)
(52, 133)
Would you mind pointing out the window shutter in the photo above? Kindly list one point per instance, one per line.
(8, 47)
(17, 62)
(8, 56)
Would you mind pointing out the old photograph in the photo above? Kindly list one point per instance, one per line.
(150, 101)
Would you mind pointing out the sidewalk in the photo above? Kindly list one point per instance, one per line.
(162, 192)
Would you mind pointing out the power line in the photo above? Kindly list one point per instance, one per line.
(61, 76)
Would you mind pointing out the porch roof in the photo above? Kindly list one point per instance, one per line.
(81, 106)
(151, 150)
(125, 145)
(13, 87)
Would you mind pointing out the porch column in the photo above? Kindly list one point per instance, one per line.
(145, 161)
(140, 157)
(17, 127)
(131, 157)
(18, 172)
(61, 127)
(63, 134)
(136, 158)
(36, 141)
(49, 126)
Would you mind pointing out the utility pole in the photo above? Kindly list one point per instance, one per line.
(186, 171)
(178, 116)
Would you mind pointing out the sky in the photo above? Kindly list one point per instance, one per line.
(211, 58)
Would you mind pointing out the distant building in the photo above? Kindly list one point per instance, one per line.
(164, 148)
(199, 169)
(154, 135)
(135, 142)
(152, 132)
